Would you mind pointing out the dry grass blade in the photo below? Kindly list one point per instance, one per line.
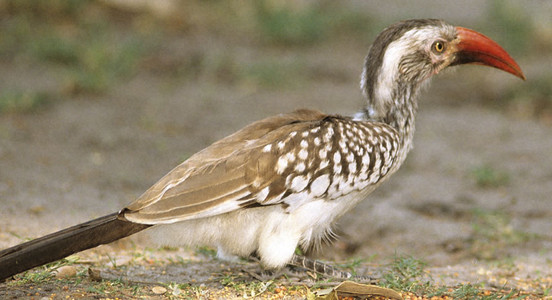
(353, 289)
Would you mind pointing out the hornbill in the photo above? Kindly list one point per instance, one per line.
(281, 182)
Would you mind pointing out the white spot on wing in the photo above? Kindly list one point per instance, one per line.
(337, 157)
(257, 182)
(328, 135)
(352, 167)
(300, 167)
(281, 165)
(295, 200)
(323, 153)
(303, 154)
(317, 141)
(299, 183)
(320, 185)
(261, 195)
(275, 199)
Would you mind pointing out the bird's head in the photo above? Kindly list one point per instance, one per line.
(406, 54)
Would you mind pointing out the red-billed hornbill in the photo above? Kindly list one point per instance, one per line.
(281, 182)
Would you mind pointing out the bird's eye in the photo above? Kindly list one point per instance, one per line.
(438, 47)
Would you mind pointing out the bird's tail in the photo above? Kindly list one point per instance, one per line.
(65, 242)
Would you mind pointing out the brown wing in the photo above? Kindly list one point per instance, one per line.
(223, 177)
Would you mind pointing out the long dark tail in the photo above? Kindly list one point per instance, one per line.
(65, 242)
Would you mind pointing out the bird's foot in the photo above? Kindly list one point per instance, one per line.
(264, 275)
(325, 269)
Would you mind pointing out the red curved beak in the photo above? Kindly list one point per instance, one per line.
(475, 48)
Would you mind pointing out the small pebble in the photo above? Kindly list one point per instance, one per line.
(158, 290)
(65, 272)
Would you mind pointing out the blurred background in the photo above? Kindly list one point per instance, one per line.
(99, 99)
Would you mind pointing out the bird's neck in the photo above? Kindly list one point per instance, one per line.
(402, 113)
(396, 107)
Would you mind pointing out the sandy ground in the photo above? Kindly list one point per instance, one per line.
(87, 157)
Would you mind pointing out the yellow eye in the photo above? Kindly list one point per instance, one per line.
(438, 47)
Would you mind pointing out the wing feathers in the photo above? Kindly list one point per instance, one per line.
(200, 188)
(203, 209)
(224, 176)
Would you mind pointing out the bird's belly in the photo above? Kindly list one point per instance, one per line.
(271, 231)
(235, 233)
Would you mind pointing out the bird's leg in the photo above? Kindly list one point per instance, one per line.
(322, 268)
